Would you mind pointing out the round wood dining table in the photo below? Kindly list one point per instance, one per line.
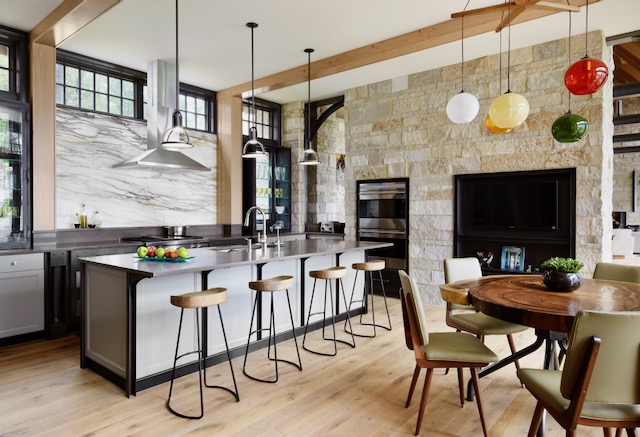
(524, 299)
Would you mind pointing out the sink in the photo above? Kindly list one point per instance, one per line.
(238, 248)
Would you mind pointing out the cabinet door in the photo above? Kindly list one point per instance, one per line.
(21, 302)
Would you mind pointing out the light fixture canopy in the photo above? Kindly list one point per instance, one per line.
(569, 128)
(509, 110)
(309, 156)
(176, 138)
(493, 129)
(463, 107)
(253, 148)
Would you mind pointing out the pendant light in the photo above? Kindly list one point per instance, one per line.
(488, 123)
(569, 127)
(510, 109)
(463, 107)
(253, 148)
(587, 75)
(176, 138)
(309, 156)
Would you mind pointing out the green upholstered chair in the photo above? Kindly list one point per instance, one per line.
(600, 382)
(617, 272)
(463, 317)
(439, 350)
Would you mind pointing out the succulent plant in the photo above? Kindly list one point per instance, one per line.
(562, 265)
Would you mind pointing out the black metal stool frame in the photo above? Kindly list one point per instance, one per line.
(364, 301)
(272, 338)
(201, 359)
(324, 317)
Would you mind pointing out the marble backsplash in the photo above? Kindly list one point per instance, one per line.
(89, 144)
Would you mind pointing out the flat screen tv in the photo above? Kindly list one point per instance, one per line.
(527, 205)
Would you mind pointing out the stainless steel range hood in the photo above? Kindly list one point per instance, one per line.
(161, 96)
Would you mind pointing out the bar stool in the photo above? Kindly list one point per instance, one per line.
(370, 267)
(202, 300)
(328, 275)
(270, 285)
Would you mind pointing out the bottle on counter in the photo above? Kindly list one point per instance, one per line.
(76, 220)
(95, 221)
(84, 220)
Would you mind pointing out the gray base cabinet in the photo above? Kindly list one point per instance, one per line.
(21, 294)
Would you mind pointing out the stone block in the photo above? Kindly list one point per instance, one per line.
(399, 84)
(380, 89)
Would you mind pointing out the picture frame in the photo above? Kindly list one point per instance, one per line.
(512, 258)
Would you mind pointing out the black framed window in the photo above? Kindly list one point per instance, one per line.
(13, 65)
(4, 67)
(267, 119)
(93, 85)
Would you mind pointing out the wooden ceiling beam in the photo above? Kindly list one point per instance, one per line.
(68, 18)
(418, 40)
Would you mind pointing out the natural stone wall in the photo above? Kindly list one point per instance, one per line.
(293, 137)
(327, 193)
(399, 128)
(624, 164)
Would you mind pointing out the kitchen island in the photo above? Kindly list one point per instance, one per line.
(129, 327)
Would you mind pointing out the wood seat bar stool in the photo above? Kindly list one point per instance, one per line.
(328, 275)
(271, 285)
(200, 300)
(368, 267)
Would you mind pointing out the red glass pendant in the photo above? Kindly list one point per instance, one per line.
(586, 76)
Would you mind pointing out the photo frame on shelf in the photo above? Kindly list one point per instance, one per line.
(512, 258)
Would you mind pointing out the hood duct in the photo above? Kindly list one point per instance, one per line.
(161, 95)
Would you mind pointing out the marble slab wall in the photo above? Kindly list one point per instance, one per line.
(89, 144)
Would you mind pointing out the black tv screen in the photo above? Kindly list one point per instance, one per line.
(517, 205)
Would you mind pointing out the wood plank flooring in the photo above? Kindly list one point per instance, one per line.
(359, 392)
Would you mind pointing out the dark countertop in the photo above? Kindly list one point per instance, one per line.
(213, 258)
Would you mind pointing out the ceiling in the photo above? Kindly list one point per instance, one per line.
(626, 57)
(215, 43)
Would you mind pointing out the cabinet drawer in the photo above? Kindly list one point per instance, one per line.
(22, 262)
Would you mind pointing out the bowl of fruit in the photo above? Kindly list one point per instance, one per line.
(153, 253)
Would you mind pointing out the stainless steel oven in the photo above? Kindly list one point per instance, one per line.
(383, 215)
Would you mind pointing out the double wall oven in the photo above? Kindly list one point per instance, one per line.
(383, 215)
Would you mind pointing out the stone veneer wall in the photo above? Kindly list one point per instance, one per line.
(327, 194)
(399, 128)
(88, 144)
(293, 137)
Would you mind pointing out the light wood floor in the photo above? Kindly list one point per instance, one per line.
(360, 392)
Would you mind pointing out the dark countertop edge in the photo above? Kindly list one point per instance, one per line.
(186, 267)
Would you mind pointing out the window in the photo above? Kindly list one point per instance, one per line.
(93, 85)
(13, 62)
(267, 119)
(4, 67)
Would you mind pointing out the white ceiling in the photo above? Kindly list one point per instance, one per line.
(215, 43)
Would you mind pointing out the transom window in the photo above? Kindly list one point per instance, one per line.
(267, 119)
(94, 91)
(93, 85)
(4, 67)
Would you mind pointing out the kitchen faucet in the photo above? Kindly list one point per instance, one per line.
(262, 240)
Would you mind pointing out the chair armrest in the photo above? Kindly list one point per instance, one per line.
(452, 294)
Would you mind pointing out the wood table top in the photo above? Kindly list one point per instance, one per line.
(524, 299)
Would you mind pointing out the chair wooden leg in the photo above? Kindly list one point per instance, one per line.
(536, 420)
(416, 373)
(631, 432)
(619, 432)
(606, 432)
(423, 401)
(461, 386)
(571, 433)
(474, 378)
(512, 346)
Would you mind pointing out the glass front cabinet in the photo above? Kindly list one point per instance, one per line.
(267, 184)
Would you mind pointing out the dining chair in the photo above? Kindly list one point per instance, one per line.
(439, 350)
(463, 317)
(600, 383)
(617, 272)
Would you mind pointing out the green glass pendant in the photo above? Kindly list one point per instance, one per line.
(569, 128)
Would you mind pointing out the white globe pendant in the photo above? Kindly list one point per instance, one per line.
(463, 107)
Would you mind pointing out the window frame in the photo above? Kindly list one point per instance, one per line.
(18, 43)
(275, 115)
(139, 79)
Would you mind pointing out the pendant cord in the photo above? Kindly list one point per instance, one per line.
(500, 58)
(586, 31)
(253, 96)
(569, 55)
(309, 101)
(177, 64)
(509, 52)
(462, 48)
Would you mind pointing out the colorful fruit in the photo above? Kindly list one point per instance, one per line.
(183, 252)
(160, 252)
(143, 251)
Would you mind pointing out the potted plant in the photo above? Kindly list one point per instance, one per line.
(561, 274)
